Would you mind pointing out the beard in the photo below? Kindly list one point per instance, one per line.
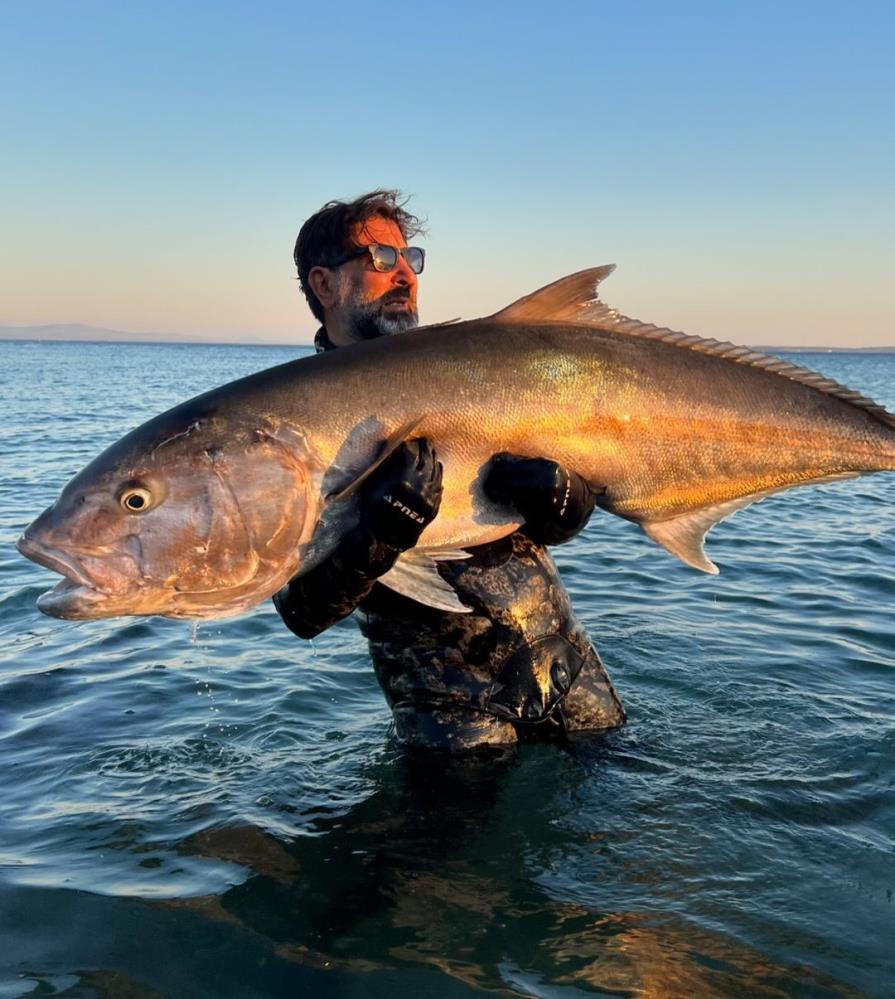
(369, 320)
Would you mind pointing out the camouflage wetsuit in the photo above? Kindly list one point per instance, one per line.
(518, 666)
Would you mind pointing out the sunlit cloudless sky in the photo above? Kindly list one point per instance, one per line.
(735, 160)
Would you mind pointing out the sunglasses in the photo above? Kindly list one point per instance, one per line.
(385, 258)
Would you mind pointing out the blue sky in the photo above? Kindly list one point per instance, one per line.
(734, 160)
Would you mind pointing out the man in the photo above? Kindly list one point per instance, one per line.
(519, 665)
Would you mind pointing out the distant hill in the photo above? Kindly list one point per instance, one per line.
(78, 331)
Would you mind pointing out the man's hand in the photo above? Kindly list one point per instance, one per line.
(396, 502)
(402, 496)
(554, 502)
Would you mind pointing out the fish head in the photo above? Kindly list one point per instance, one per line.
(186, 518)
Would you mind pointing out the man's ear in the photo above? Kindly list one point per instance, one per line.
(324, 283)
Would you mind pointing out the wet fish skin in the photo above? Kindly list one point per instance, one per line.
(253, 482)
(230, 513)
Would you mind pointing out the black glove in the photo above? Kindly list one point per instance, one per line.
(402, 496)
(554, 502)
(396, 502)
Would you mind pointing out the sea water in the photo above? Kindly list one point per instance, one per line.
(223, 811)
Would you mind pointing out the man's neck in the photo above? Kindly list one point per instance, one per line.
(337, 334)
(322, 341)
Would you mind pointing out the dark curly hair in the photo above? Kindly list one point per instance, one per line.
(327, 235)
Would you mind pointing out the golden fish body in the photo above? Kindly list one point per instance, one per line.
(663, 431)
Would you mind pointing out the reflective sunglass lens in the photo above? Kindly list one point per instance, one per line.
(415, 258)
(385, 258)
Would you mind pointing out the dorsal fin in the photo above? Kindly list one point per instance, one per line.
(600, 314)
(574, 299)
(563, 300)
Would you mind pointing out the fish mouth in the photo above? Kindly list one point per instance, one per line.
(76, 595)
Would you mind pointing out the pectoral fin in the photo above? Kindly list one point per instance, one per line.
(389, 445)
(415, 575)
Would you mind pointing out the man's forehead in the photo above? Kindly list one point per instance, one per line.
(378, 230)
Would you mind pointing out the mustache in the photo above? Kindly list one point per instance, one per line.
(395, 295)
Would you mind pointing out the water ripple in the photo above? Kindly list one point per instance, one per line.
(735, 838)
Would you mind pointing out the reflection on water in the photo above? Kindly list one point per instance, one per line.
(432, 869)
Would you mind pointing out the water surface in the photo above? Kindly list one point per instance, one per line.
(226, 814)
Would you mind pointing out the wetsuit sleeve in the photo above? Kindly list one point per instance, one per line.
(396, 503)
(554, 502)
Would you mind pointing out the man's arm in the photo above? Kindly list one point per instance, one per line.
(396, 503)
(554, 502)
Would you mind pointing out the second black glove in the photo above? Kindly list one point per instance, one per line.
(554, 502)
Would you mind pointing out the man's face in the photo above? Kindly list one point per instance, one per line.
(373, 303)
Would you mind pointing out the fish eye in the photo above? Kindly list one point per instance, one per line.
(135, 499)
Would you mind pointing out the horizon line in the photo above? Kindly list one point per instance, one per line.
(197, 342)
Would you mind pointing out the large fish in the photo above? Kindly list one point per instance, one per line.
(211, 507)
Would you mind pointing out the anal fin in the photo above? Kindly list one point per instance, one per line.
(684, 535)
